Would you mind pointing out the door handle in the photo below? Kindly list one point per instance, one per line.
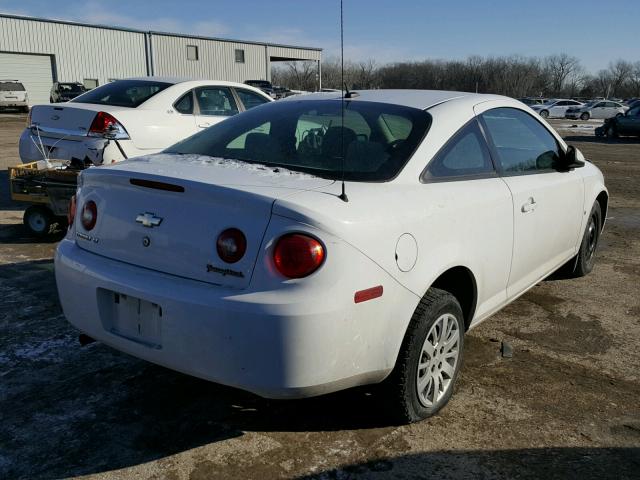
(204, 125)
(529, 206)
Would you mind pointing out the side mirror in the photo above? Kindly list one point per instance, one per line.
(572, 158)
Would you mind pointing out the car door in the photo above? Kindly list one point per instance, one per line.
(462, 176)
(611, 109)
(213, 104)
(559, 109)
(547, 204)
(598, 110)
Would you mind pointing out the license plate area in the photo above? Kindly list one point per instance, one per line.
(132, 318)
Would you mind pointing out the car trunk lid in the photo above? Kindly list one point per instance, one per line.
(68, 121)
(165, 212)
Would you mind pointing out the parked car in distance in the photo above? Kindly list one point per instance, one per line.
(239, 256)
(600, 109)
(13, 95)
(533, 100)
(65, 91)
(625, 125)
(555, 108)
(127, 118)
(263, 85)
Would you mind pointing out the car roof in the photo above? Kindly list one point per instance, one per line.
(421, 99)
(194, 81)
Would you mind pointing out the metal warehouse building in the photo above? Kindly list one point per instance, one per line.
(38, 52)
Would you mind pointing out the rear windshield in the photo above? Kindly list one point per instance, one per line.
(11, 87)
(123, 93)
(375, 141)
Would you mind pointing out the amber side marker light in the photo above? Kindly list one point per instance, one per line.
(71, 215)
(368, 294)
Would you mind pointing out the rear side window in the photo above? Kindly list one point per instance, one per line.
(523, 145)
(250, 99)
(123, 93)
(465, 155)
(185, 104)
(11, 87)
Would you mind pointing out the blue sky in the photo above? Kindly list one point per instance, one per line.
(597, 32)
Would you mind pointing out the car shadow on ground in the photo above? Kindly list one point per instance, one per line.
(71, 410)
(534, 463)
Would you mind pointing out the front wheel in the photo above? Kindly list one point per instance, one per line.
(427, 367)
(584, 116)
(611, 132)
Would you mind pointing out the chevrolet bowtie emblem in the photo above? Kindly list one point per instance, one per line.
(148, 219)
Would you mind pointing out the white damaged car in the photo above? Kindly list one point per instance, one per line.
(131, 117)
(237, 256)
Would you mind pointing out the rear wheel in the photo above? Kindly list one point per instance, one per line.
(587, 253)
(544, 113)
(618, 115)
(423, 379)
(38, 220)
(584, 116)
(612, 132)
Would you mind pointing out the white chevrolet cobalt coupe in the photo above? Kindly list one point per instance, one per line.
(234, 255)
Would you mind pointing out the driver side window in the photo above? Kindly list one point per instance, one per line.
(522, 144)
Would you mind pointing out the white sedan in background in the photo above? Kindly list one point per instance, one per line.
(555, 108)
(601, 109)
(132, 117)
(239, 256)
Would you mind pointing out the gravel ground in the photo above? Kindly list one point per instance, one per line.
(565, 406)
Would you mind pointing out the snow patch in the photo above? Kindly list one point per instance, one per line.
(46, 350)
(170, 159)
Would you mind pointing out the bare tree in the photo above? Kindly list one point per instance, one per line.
(559, 67)
(621, 72)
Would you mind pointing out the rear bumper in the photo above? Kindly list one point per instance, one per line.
(97, 150)
(270, 343)
(13, 103)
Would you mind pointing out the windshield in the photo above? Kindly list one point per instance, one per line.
(11, 87)
(123, 93)
(71, 87)
(376, 139)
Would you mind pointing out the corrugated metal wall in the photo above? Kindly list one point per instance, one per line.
(79, 51)
(215, 59)
(95, 52)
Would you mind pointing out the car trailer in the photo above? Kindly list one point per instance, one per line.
(49, 192)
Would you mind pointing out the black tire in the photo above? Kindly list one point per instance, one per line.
(618, 115)
(51, 100)
(544, 113)
(38, 220)
(611, 132)
(587, 254)
(25, 109)
(400, 389)
(584, 116)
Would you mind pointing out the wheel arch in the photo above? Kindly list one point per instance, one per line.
(603, 200)
(460, 282)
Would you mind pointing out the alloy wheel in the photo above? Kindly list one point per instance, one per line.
(438, 360)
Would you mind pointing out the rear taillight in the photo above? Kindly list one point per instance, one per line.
(89, 215)
(72, 210)
(105, 125)
(231, 245)
(297, 255)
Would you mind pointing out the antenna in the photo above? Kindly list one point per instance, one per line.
(343, 195)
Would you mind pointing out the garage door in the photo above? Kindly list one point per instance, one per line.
(34, 71)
